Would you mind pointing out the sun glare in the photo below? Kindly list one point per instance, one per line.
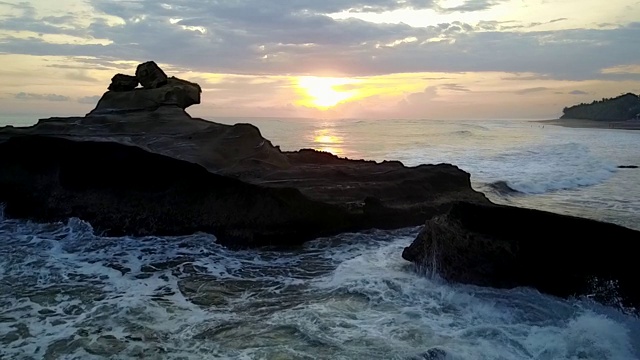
(324, 92)
(325, 141)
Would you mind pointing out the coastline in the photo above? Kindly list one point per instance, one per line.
(593, 124)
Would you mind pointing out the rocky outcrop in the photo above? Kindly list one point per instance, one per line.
(176, 92)
(507, 247)
(124, 190)
(158, 90)
(122, 82)
(623, 107)
(150, 75)
(160, 171)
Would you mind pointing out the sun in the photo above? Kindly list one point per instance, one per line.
(323, 92)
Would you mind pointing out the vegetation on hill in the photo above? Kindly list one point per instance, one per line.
(623, 107)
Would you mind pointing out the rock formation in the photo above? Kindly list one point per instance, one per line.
(122, 82)
(507, 247)
(150, 75)
(621, 108)
(138, 164)
(157, 91)
(203, 176)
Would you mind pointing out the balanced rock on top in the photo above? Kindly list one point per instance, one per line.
(150, 75)
(158, 90)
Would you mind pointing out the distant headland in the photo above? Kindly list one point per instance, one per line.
(620, 108)
(621, 112)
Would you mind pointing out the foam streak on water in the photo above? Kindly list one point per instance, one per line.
(68, 294)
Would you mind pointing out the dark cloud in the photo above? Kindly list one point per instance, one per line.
(27, 20)
(530, 90)
(578, 92)
(298, 38)
(45, 97)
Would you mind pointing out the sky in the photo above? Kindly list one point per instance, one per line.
(424, 59)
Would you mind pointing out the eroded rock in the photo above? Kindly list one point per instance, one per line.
(150, 75)
(122, 82)
(176, 92)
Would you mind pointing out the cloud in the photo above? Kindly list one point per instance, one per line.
(578, 92)
(455, 87)
(92, 100)
(80, 75)
(622, 69)
(530, 90)
(420, 98)
(41, 97)
(300, 38)
(27, 20)
(472, 5)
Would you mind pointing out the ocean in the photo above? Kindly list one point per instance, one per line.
(68, 293)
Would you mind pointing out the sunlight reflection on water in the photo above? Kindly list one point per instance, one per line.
(325, 140)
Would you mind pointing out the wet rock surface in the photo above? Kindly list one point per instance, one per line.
(508, 247)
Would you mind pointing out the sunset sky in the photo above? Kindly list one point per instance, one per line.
(436, 59)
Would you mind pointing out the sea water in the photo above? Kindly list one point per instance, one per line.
(68, 293)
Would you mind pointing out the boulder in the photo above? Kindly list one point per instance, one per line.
(151, 75)
(122, 82)
(506, 247)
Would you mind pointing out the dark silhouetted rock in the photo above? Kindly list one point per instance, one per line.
(150, 75)
(176, 92)
(122, 82)
(125, 190)
(627, 167)
(506, 247)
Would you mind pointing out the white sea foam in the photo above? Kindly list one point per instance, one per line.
(66, 293)
(532, 169)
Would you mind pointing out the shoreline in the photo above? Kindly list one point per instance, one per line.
(592, 124)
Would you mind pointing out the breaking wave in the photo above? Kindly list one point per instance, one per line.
(67, 293)
(502, 188)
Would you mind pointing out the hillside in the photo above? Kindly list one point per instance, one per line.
(620, 108)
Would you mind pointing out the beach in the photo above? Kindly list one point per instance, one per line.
(593, 124)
